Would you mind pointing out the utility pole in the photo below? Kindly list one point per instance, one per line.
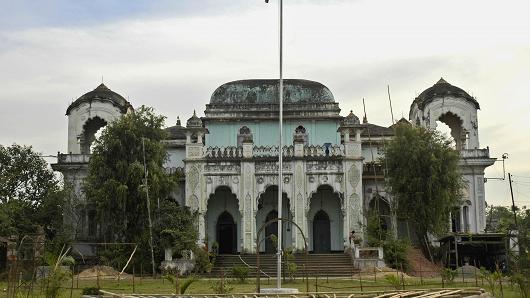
(513, 201)
(149, 211)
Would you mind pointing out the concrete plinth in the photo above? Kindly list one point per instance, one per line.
(278, 291)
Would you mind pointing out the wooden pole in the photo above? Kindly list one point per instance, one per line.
(177, 283)
(72, 285)
(133, 285)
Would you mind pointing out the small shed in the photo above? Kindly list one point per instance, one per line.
(488, 250)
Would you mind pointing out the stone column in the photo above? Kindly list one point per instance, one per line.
(299, 200)
(247, 200)
(352, 201)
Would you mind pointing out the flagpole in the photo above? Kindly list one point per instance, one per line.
(280, 148)
(280, 151)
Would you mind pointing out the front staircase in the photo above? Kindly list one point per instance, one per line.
(322, 265)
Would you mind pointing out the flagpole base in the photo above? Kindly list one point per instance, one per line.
(273, 291)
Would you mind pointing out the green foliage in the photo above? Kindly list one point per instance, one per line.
(221, 286)
(395, 252)
(448, 274)
(202, 261)
(90, 291)
(183, 284)
(240, 272)
(115, 181)
(374, 232)
(492, 279)
(424, 177)
(30, 195)
(57, 274)
(393, 279)
(523, 282)
(290, 266)
(176, 227)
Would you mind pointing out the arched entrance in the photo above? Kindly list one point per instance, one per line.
(267, 210)
(325, 221)
(321, 233)
(226, 233)
(270, 230)
(223, 221)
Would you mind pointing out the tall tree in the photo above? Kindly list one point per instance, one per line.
(423, 177)
(115, 181)
(30, 195)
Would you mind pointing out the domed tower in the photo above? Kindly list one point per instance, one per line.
(86, 116)
(453, 106)
(91, 112)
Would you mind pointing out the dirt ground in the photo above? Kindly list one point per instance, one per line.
(102, 272)
(419, 265)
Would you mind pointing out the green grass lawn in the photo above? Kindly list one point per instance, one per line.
(203, 286)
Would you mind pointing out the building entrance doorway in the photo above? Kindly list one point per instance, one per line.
(270, 230)
(321, 233)
(226, 233)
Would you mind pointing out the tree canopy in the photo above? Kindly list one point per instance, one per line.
(115, 185)
(115, 181)
(30, 194)
(423, 177)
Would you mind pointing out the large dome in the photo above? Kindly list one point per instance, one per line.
(101, 93)
(442, 89)
(266, 92)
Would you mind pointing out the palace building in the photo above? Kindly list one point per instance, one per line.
(332, 175)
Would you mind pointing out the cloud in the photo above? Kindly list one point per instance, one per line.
(173, 54)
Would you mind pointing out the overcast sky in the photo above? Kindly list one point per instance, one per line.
(172, 54)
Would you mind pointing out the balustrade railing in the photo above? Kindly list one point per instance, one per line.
(223, 152)
(323, 150)
(73, 158)
(272, 151)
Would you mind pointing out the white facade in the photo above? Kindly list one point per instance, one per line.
(331, 163)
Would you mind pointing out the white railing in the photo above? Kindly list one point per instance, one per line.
(322, 150)
(271, 151)
(475, 153)
(73, 158)
(223, 152)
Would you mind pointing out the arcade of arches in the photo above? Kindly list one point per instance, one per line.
(324, 221)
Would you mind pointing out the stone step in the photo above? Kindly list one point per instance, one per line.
(337, 264)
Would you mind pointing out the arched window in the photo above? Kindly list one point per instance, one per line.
(452, 125)
(91, 130)
(300, 135)
(465, 211)
(244, 136)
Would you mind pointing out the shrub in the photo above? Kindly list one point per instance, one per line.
(90, 291)
(240, 272)
(395, 253)
(202, 261)
(221, 286)
(290, 265)
(393, 280)
(448, 274)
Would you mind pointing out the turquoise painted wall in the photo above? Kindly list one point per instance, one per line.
(265, 133)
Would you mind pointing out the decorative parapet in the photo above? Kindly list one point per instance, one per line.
(272, 151)
(311, 151)
(475, 153)
(324, 166)
(227, 168)
(323, 150)
(73, 158)
(265, 167)
(223, 152)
